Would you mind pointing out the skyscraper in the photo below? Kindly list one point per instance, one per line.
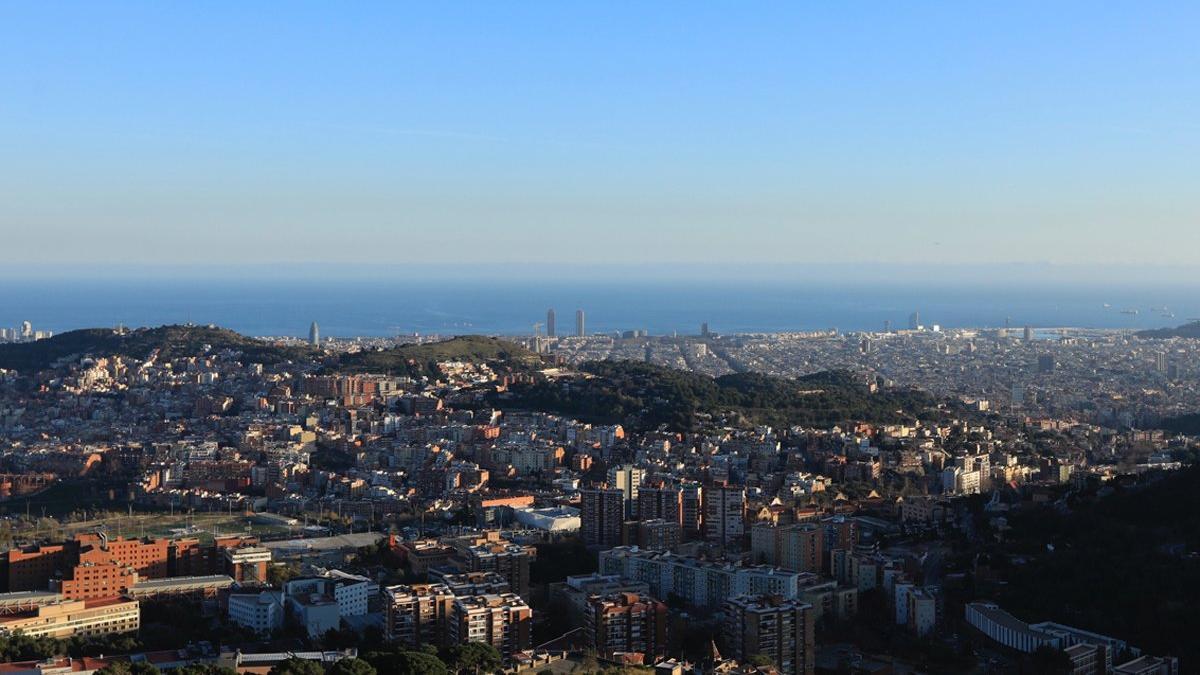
(1028, 333)
(914, 320)
(579, 323)
(551, 331)
(314, 335)
(724, 514)
(627, 479)
(691, 505)
(601, 515)
(661, 501)
(704, 329)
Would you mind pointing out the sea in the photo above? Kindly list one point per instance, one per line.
(402, 307)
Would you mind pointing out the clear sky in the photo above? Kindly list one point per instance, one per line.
(633, 133)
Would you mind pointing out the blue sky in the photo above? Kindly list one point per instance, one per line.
(633, 133)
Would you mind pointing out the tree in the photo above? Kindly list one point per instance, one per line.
(202, 669)
(758, 660)
(127, 668)
(282, 572)
(476, 657)
(420, 663)
(422, 660)
(297, 666)
(351, 666)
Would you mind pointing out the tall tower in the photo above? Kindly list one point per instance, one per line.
(914, 320)
(601, 513)
(627, 479)
(550, 329)
(580, 328)
(314, 335)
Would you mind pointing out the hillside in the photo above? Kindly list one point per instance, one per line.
(171, 341)
(420, 359)
(1124, 565)
(1182, 424)
(1187, 330)
(643, 396)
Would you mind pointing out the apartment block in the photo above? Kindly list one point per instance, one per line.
(503, 621)
(781, 630)
(75, 618)
(725, 515)
(626, 623)
(602, 513)
(418, 614)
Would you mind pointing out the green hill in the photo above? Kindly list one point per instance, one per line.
(420, 359)
(644, 396)
(1182, 424)
(171, 341)
(1124, 565)
(1187, 330)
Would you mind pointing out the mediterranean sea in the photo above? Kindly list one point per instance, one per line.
(359, 307)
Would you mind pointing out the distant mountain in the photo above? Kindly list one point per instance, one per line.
(416, 360)
(1187, 330)
(643, 396)
(170, 341)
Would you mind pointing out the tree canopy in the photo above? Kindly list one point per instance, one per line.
(351, 666)
(297, 666)
(478, 657)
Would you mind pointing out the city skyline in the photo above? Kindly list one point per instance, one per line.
(686, 338)
(140, 134)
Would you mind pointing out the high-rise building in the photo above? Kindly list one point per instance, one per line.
(1028, 333)
(601, 515)
(914, 320)
(724, 514)
(839, 532)
(1046, 363)
(580, 326)
(509, 560)
(661, 501)
(704, 329)
(314, 335)
(626, 622)
(551, 329)
(417, 614)
(780, 630)
(656, 534)
(627, 479)
(502, 620)
(1160, 362)
(887, 325)
(691, 509)
(798, 547)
